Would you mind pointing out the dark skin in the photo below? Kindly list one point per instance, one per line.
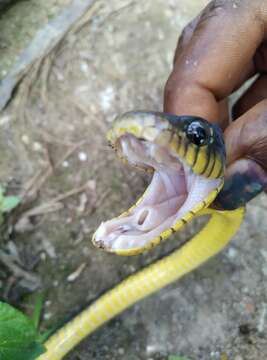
(225, 45)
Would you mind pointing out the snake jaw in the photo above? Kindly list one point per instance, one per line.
(172, 199)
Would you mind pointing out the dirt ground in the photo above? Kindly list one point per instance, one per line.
(117, 62)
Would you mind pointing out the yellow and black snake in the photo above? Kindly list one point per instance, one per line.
(186, 156)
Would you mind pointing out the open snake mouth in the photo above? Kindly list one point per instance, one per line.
(173, 197)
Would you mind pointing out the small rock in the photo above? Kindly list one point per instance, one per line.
(5, 119)
(121, 351)
(106, 98)
(25, 139)
(47, 316)
(65, 164)
(150, 349)
(198, 290)
(59, 75)
(264, 254)
(23, 225)
(86, 251)
(232, 253)
(84, 68)
(43, 256)
(37, 146)
(91, 185)
(82, 156)
(49, 248)
(73, 276)
(215, 354)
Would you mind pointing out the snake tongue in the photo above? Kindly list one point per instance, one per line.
(174, 191)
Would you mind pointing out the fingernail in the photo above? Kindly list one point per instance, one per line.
(243, 181)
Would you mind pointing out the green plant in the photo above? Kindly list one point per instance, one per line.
(19, 338)
(7, 203)
(173, 357)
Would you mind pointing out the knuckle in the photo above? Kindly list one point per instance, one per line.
(217, 5)
(175, 83)
(218, 8)
(182, 37)
(214, 8)
(176, 89)
(254, 136)
(172, 88)
(187, 32)
(169, 88)
(186, 35)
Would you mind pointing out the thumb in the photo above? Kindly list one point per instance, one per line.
(244, 180)
(246, 148)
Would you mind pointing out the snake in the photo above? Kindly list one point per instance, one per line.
(186, 159)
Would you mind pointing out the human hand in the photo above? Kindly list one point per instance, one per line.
(225, 45)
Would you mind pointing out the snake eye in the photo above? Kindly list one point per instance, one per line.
(197, 133)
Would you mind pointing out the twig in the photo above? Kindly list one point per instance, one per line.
(98, 202)
(54, 204)
(52, 139)
(40, 178)
(16, 270)
(42, 209)
(119, 10)
(73, 276)
(71, 193)
(45, 73)
(79, 25)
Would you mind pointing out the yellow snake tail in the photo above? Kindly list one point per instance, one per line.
(209, 241)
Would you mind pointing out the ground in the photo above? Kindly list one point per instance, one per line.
(118, 61)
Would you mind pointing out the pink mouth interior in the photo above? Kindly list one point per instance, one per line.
(173, 192)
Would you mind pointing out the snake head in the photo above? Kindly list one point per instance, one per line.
(186, 155)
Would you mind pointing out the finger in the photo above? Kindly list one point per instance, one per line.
(214, 62)
(224, 117)
(186, 36)
(247, 136)
(255, 93)
(246, 148)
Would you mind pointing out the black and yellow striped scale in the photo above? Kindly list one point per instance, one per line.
(170, 131)
(207, 160)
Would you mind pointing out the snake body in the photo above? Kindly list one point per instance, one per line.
(200, 149)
